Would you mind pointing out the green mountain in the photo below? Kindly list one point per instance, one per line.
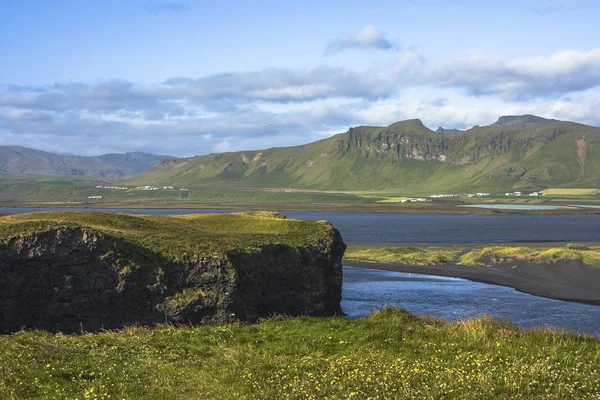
(516, 152)
(23, 162)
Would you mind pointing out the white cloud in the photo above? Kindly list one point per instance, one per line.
(545, 76)
(369, 37)
(185, 116)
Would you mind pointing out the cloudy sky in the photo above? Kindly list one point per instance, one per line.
(193, 77)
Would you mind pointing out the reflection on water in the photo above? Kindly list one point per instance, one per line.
(365, 290)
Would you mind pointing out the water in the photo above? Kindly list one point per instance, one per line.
(365, 290)
(426, 228)
(435, 228)
(517, 207)
(530, 207)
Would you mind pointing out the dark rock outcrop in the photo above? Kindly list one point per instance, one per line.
(76, 279)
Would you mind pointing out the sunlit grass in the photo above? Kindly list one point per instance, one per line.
(391, 200)
(478, 256)
(391, 354)
(494, 255)
(571, 191)
(176, 237)
(402, 255)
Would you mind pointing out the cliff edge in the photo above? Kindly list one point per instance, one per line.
(74, 272)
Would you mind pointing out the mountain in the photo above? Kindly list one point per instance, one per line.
(134, 161)
(526, 119)
(515, 152)
(448, 131)
(23, 162)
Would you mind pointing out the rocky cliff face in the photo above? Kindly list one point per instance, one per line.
(72, 279)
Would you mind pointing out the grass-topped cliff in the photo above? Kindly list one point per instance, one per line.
(514, 153)
(176, 237)
(63, 271)
(390, 355)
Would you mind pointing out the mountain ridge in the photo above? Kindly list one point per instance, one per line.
(520, 153)
(508, 120)
(23, 162)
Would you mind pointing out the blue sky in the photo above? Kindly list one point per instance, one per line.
(187, 78)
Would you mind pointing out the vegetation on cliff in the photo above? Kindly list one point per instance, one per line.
(176, 237)
(391, 354)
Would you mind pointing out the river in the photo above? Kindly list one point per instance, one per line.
(365, 290)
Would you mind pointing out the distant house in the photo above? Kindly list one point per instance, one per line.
(435, 196)
(94, 197)
(417, 200)
(478, 194)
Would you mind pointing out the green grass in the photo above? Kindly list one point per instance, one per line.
(177, 237)
(401, 255)
(56, 182)
(478, 256)
(494, 255)
(391, 200)
(391, 354)
(77, 191)
(571, 192)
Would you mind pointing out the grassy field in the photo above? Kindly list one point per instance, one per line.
(79, 192)
(402, 254)
(478, 256)
(391, 354)
(491, 255)
(571, 192)
(177, 237)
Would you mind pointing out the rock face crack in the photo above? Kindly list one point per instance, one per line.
(69, 279)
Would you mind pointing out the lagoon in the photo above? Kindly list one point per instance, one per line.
(421, 228)
(366, 290)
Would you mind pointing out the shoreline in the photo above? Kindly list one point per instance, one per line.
(393, 208)
(572, 281)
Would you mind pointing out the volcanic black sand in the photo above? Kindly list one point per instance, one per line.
(569, 280)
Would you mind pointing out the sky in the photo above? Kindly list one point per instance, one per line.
(185, 78)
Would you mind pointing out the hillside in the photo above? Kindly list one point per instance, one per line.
(22, 162)
(517, 152)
